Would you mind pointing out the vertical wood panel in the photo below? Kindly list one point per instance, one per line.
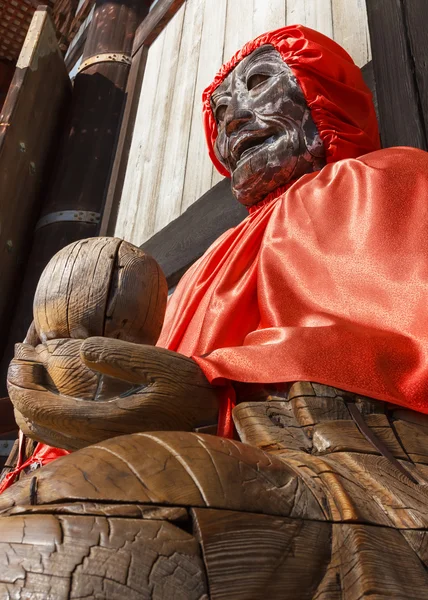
(416, 19)
(173, 169)
(350, 29)
(239, 30)
(316, 14)
(199, 168)
(156, 153)
(268, 15)
(139, 152)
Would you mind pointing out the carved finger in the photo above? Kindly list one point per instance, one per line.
(138, 363)
(24, 351)
(87, 422)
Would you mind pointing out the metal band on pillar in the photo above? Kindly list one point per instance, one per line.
(81, 216)
(107, 57)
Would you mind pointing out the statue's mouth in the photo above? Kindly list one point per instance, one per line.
(249, 143)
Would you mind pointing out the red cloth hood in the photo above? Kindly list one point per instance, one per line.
(340, 102)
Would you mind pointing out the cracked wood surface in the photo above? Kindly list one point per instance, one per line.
(237, 520)
(76, 557)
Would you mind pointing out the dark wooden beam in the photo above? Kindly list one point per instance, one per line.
(185, 239)
(399, 99)
(155, 22)
(30, 124)
(416, 17)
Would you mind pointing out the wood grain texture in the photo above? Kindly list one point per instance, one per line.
(155, 22)
(170, 189)
(199, 168)
(169, 392)
(371, 562)
(250, 555)
(316, 14)
(172, 468)
(100, 286)
(139, 155)
(313, 431)
(350, 29)
(394, 73)
(68, 556)
(28, 136)
(415, 18)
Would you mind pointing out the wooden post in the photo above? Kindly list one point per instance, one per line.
(74, 199)
(400, 51)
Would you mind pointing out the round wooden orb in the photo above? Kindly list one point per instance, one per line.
(101, 286)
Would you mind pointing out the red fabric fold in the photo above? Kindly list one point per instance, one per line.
(43, 454)
(327, 282)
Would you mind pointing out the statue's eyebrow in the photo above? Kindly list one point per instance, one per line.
(220, 92)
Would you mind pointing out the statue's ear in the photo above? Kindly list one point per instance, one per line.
(313, 141)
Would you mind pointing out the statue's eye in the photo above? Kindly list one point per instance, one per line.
(219, 112)
(255, 80)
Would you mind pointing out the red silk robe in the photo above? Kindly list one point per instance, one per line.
(327, 282)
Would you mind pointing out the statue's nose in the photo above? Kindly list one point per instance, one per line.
(236, 118)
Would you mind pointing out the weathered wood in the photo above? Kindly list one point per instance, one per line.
(172, 468)
(199, 168)
(118, 172)
(77, 50)
(184, 240)
(415, 20)
(28, 137)
(126, 297)
(81, 172)
(155, 23)
(270, 426)
(139, 154)
(371, 562)
(170, 392)
(401, 122)
(268, 15)
(349, 21)
(168, 190)
(71, 556)
(175, 514)
(316, 14)
(249, 555)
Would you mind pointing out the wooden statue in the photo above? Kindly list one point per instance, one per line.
(323, 493)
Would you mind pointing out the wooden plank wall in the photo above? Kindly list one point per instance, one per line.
(168, 168)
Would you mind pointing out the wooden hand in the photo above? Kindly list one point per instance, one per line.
(169, 392)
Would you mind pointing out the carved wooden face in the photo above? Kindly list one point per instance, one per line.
(266, 135)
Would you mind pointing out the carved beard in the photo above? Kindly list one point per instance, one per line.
(293, 150)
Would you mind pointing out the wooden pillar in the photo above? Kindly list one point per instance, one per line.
(77, 184)
(399, 43)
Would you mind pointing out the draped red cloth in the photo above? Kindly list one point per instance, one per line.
(326, 281)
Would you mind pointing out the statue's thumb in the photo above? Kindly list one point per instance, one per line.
(139, 363)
